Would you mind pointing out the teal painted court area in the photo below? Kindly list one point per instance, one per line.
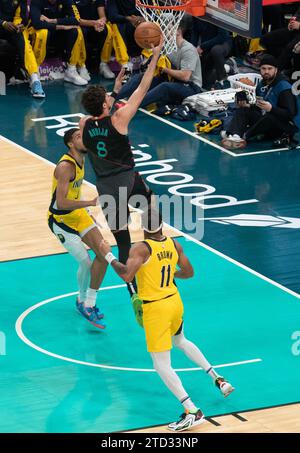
(263, 232)
(233, 316)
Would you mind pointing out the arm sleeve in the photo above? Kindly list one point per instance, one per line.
(288, 106)
(113, 14)
(221, 37)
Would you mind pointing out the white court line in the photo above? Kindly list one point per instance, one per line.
(228, 258)
(192, 134)
(215, 145)
(29, 343)
(237, 263)
(254, 153)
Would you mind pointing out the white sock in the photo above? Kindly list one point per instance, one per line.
(71, 67)
(83, 277)
(227, 68)
(91, 297)
(189, 405)
(162, 364)
(194, 354)
(34, 77)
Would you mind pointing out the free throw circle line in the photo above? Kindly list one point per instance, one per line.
(29, 343)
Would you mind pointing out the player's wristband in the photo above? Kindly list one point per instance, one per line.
(110, 257)
(113, 94)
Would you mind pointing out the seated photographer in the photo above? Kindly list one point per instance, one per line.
(275, 115)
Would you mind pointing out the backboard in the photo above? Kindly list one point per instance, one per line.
(241, 16)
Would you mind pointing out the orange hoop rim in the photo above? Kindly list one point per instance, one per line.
(164, 8)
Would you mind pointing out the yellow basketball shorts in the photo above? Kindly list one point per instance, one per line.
(76, 222)
(162, 320)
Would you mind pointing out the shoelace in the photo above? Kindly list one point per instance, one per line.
(182, 416)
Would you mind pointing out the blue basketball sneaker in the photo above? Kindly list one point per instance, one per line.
(37, 90)
(92, 314)
(79, 305)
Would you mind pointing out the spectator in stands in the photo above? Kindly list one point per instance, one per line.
(46, 18)
(276, 114)
(280, 42)
(214, 45)
(95, 30)
(127, 17)
(8, 33)
(28, 42)
(115, 43)
(186, 77)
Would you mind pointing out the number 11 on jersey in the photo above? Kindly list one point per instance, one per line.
(165, 272)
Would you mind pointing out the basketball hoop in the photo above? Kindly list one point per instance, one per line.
(167, 14)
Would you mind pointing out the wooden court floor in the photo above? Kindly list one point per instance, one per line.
(25, 196)
(283, 419)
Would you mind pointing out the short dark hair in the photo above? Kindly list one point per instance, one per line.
(69, 135)
(93, 99)
(184, 25)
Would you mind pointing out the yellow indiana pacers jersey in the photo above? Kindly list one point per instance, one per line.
(155, 278)
(74, 190)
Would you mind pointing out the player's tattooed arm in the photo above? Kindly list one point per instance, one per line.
(138, 255)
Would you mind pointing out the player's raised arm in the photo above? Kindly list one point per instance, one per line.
(139, 253)
(122, 117)
(186, 269)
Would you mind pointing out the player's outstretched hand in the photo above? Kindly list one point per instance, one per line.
(118, 81)
(156, 50)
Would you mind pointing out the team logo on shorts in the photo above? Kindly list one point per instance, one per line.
(61, 238)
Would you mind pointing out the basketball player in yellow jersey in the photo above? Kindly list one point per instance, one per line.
(154, 263)
(70, 222)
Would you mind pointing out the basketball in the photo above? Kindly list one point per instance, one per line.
(147, 33)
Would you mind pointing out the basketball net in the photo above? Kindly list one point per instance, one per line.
(167, 14)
